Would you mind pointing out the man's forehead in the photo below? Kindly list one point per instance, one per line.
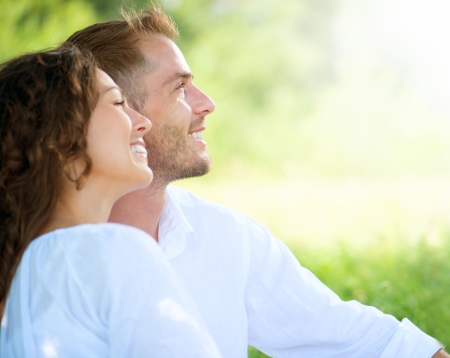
(165, 60)
(159, 46)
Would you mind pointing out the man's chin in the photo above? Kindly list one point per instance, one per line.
(199, 168)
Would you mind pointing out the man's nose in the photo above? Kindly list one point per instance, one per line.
(203, 103)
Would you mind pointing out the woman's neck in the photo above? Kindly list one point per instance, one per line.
(90, 205)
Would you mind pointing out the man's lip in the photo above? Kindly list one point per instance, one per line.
(197, 130)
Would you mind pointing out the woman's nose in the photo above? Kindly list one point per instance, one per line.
(140, 123)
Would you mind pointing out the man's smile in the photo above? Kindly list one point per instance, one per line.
(196, 135)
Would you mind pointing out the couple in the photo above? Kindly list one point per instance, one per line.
(72, 154)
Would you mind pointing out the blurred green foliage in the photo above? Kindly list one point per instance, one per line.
(31, 25)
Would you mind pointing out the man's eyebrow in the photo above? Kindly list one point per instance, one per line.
(179, 75)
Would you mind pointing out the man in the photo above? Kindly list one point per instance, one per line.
(248, 286)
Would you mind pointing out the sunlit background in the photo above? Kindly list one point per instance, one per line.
(333, 116)
(332, 124)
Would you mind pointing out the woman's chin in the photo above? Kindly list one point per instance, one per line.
(145, 179)
(140, 179)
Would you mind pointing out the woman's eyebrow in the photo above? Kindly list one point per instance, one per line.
(113, 88)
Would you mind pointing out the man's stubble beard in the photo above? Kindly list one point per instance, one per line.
(170, 156)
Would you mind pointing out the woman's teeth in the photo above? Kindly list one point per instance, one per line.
(138, 149)
(196, 135)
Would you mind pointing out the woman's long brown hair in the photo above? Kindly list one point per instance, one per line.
(46, 100)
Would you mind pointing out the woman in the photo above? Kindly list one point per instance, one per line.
(71, 284)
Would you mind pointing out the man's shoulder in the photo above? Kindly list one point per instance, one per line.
(188, 200)
(193, 205)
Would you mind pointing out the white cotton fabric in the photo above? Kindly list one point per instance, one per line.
(250, 289)
(101, 290)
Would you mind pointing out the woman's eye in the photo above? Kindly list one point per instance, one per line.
(120, 103)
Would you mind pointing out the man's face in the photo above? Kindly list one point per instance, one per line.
(177, 110)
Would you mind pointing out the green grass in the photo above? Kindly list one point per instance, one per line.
(401, 278)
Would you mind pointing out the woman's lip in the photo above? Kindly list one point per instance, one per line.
(139, 141)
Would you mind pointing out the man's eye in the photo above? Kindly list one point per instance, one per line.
(180, 85)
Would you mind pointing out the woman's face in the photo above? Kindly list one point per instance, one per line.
(114, 140)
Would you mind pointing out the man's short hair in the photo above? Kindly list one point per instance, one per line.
(116, 44)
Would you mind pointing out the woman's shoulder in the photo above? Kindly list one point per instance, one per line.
(106, 242)
(106, 233)
(94, 256)
(112, 230)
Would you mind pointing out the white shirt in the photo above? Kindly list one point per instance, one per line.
(101, 290)
(250, 289)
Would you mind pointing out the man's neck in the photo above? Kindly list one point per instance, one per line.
(141, 208)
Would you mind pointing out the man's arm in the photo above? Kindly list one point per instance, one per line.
(441, 354)
(290, 312)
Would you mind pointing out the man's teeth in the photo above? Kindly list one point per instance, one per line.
(196, 135)
(138, 149)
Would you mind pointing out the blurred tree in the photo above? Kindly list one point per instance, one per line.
(29, 25)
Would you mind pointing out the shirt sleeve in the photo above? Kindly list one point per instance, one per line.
(137, 297)
(292, 314)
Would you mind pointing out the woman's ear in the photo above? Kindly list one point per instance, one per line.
(75, 172)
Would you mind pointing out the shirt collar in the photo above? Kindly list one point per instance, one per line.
(174, 229)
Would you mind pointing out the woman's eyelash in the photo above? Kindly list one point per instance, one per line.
(121, 103)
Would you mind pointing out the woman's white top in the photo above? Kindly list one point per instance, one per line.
(100, 290)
